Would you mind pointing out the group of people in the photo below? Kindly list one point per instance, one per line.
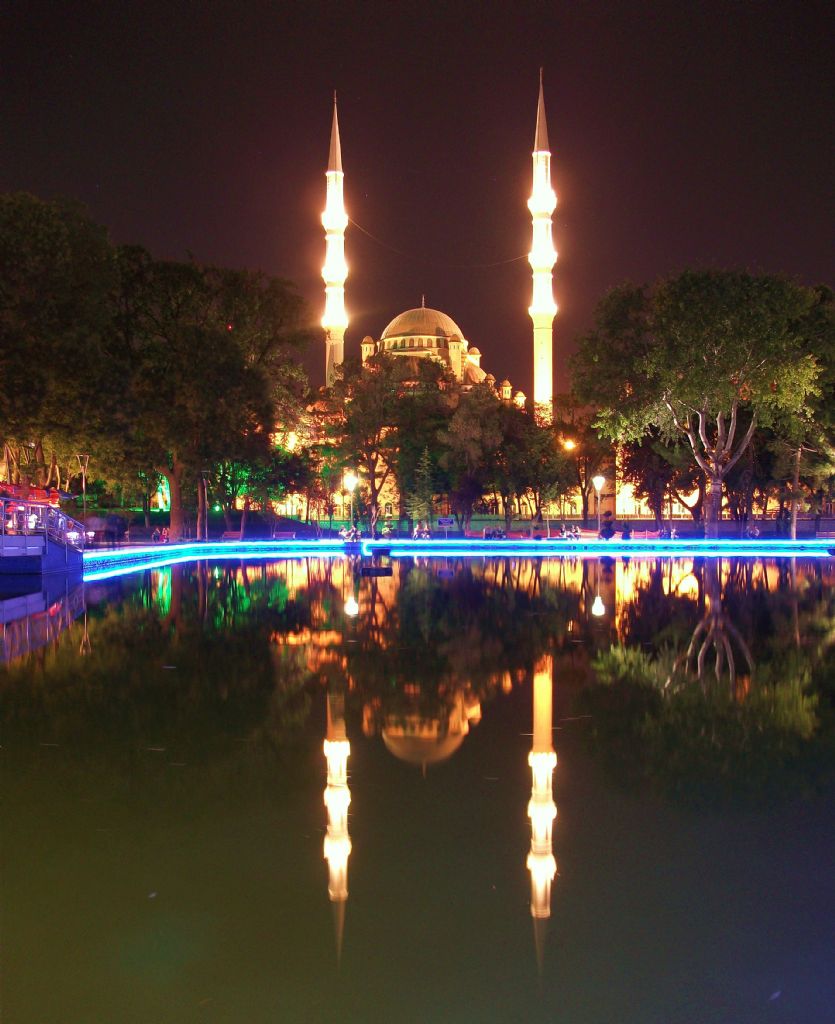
(160, 536)
(421, 531)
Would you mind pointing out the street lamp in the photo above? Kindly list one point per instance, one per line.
(569, 445)
(350, 479)
(598, 482)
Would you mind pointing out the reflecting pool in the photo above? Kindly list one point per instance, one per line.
(332, 789)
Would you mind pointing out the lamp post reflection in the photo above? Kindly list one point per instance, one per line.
(337, 847)
(541, 808)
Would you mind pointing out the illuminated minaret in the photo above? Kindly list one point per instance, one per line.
(337, 800)
(542, 258)
(542, 810)
(335, 270)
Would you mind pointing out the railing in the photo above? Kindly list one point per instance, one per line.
(37, 519)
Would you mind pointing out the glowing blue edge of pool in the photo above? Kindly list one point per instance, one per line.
(101, 565)
(612, 548)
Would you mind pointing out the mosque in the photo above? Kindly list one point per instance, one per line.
(425, 333)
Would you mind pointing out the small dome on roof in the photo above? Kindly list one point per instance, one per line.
(473, 374)
(473, 351)
(423, 321)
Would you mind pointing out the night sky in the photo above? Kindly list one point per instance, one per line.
(682, 134)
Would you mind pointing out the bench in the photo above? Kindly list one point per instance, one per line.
(284, 535)
(231, 535)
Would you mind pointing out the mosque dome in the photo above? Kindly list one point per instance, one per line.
(422, 322)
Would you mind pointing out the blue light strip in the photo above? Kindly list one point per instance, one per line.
(695, 548)
(99, 565)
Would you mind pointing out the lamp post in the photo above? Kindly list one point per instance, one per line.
(598, 482)
(350, 479)
(569, 444)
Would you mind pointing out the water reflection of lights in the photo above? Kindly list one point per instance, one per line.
(337, 845)
(541, 808)
(598, 608)
(352, 607)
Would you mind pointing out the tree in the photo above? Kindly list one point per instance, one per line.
(586, 451)
(210, 369)
(470, 443)
(691, 356)
(810, 434)
(364, 405)
(58, 379)
(426, 403)
(657, 471)
(550, 472)
(419, 499)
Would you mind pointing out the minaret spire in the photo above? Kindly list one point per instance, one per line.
(542, 258)
(335, 155)
(335, 270)
(540, 142)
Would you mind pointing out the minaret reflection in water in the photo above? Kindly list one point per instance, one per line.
(541, 809)
(337, 800)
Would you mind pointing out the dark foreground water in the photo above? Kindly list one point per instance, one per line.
(291, 792)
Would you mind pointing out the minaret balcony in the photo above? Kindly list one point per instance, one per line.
(335, 219)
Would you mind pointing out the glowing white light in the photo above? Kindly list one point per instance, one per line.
(350, 480)
(351, 607)
(598, 608)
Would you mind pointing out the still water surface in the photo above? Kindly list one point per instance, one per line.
(227, 800)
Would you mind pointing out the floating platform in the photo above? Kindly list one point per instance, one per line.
(38, 555)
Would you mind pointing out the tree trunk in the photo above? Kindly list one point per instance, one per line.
(174, 476)
(53, 471)
(712, 506)
(244, 517)
(795, 493)
(201, 510)
(507, 502)
(227, 517)
(146, 511)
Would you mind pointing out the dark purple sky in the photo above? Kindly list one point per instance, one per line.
(682, 134)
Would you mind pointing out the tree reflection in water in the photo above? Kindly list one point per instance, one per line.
(192, 658)
(743, 727)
